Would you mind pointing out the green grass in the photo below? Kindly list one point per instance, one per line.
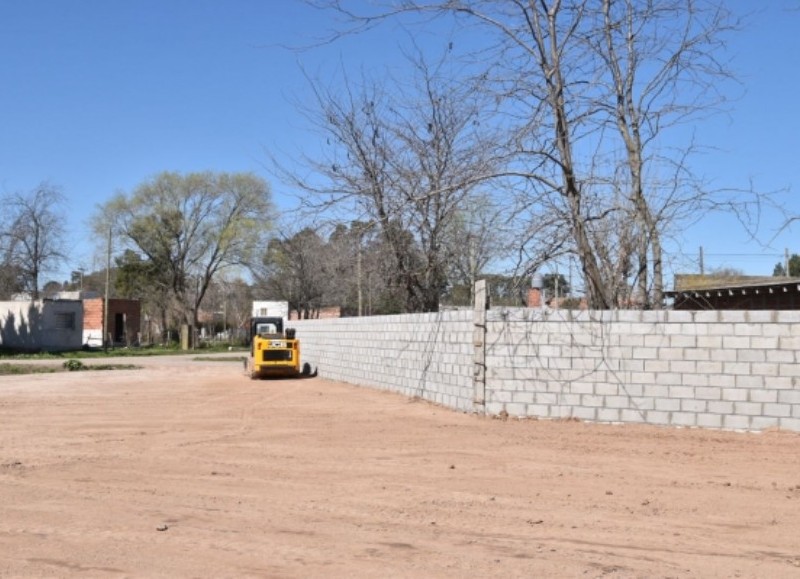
(7, 369)
(226, 359)
(116, 353)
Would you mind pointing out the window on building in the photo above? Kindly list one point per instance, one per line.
(65, 321)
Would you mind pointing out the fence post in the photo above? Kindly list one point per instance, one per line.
(479, 346)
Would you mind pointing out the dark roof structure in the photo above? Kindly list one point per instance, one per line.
(708, 292)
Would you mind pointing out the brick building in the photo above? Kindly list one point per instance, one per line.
(124, 321)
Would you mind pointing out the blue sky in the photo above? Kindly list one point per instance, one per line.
(96, 96)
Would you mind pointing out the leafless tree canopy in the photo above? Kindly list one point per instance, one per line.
(590, 101)
(402, 160)
(32, 236)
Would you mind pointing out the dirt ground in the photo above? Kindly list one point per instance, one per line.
(188, 469)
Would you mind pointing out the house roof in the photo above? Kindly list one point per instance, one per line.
(696, 284)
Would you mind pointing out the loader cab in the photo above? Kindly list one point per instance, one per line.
(270, 326)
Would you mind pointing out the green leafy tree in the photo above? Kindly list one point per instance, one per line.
(191, 228)
(794, 267)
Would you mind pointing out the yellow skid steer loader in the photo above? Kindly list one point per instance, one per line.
(274, 352)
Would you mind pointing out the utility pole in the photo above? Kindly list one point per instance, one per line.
(702, 266)
(105, 301)
(786, 260)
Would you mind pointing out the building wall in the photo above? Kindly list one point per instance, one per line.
(737, 370)
(41, 325)
(93, 321)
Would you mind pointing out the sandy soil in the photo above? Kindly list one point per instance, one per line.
(187, 468)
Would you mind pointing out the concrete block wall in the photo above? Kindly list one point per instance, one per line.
(734, 370)
(737, 370)
(425, 355)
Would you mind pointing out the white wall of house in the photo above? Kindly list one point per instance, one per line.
(50, 325)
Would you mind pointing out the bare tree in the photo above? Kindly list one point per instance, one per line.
(32, 234)
(589, 90)
(403, 160)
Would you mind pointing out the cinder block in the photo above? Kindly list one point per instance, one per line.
(764, 343)
(684, 419)
(645, 353)
(792, 370)
(667, 404)
(632, 389)
(695, 380)
(720, 407)
(547, 398)
(790, 343)
(733, 316)
(736, 368)
(709, 367)
(632, 416)
(656, 391)
(721, 355)
(658, 417)
(656, 341)
(537, 410)
(681, 392)
(792, 424)
(494, 408)
(747, 330)
(694, 329)
(751, 356)
(748, 408)
(694, 406)
(779, 410)
(787, 316)
(708, 393)
(503, 396)
(682, 341)
(781, 356)
(789, 397)
(778, 330)
(668, 379)
(523, 397)
(735, 422)
(765, 369)
(608, 415)
(709, 420)
(735, 342)
(706, 316)
(720, 329)
(606, 389)
(734, 394)
(642, 403)
(682, 366)
(514, 409)
(678, 316)
(617, 402)
(670, 354)
(700, 354)
(764, 422)
(590, 400)
(585, 413)
(759, 395)
(630, 365)
(709, 342)
(781, 382)
(656, 366)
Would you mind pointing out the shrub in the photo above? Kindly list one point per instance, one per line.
(73, 365)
